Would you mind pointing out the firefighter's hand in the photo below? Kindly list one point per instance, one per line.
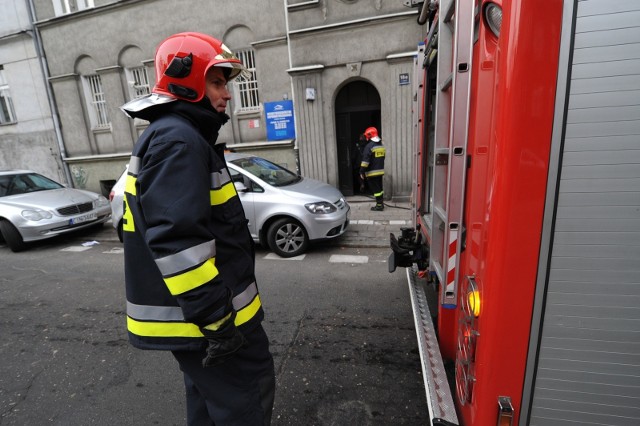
(223, 342)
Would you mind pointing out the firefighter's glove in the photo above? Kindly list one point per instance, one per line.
(223, 342)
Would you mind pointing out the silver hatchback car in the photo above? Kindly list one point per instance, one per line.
(285, 211)
(33, 207)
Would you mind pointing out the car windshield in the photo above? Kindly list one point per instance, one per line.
(25, 182)
(267, 171)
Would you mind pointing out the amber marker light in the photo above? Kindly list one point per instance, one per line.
(474, 302)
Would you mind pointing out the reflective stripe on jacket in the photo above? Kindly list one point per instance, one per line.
(189, 257)
(373, 159)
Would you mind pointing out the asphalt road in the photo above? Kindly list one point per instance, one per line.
(340, 325)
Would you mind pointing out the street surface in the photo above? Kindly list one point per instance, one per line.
(340, 325)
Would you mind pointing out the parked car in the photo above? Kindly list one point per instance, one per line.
(285, 211)
(117, 207)
(34, 207)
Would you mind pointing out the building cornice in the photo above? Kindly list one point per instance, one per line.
(63, 77)
(110, 68)
(354, 22)
(302, 5)
(262, 43)
(306, 69)
(400, 57)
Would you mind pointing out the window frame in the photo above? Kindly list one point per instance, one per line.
(65, 7)
(247, 91)
(138, 82)
(6, 103)
(96, 102)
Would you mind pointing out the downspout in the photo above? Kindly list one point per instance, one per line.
(54, 109)
(296, 150)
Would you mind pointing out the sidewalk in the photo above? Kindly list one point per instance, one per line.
(366, 229)
(371, 228)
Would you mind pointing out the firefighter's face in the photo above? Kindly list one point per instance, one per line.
(216, 89)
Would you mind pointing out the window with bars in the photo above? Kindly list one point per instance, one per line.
(138, 82)
(97, 102)
(64, 7)
(6, 105)
(246, 89)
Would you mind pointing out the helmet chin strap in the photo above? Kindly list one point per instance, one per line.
(182, 92)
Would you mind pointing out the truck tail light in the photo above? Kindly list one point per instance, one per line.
(493, 17)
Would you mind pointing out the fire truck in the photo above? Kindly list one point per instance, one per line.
(523, 261)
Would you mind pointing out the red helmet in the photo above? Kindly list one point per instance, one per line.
(372, 134)
(182, 61)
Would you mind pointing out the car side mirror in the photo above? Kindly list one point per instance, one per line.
(240, 187)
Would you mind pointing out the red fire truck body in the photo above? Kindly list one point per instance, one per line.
(527, 212)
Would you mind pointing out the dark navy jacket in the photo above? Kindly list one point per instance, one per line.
(189, 257)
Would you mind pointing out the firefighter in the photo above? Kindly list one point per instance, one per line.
(372, 166)
(189, 257)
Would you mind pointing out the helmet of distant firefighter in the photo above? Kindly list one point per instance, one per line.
(372, 134)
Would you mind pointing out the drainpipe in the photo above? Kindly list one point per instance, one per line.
(54, 109)
(296, 150)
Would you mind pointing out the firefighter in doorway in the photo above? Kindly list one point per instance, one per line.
(188, 255)
(372, 166)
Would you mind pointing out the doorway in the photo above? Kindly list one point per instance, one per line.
(357, 107)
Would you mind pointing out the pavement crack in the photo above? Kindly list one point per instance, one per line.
(287, 352)
(21, 397)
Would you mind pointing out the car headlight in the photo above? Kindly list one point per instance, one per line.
(36, 215)
(321, 207)
(100, 202)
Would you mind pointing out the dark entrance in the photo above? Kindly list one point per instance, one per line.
(357, 107)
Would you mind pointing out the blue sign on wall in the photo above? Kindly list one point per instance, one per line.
(280, 124)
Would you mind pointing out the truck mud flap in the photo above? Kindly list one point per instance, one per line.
(442, 411)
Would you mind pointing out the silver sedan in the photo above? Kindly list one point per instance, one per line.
(33, 207)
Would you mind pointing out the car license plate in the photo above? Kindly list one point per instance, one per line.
(84, 218)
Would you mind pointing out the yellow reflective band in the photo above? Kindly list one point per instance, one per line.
(194, 278)
(127, 217)
(222, 195)
(376, 173)
(130, 185)
(246, 313)
(216, 325)
(163, 329)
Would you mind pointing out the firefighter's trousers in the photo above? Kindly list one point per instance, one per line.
(240, 391)
(375, 184)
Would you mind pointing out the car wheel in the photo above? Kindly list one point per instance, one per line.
(287, 238)
(120, 231)
(11, 236)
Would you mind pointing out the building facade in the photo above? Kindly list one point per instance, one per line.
(28, 139)
(344, 64)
